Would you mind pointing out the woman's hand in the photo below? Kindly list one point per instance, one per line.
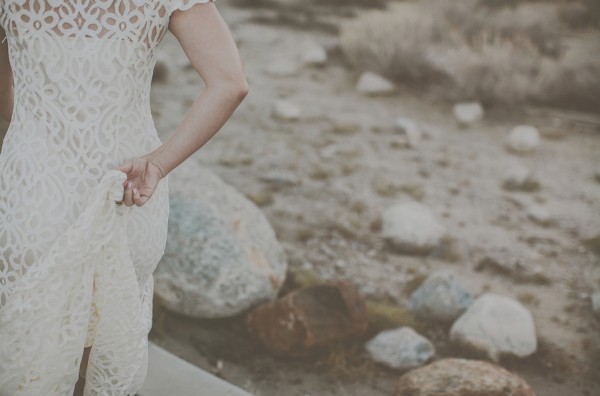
(143, 176)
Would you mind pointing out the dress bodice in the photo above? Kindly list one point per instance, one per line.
(83, 65)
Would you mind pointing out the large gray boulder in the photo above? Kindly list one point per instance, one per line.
(222, 255)
(496, 325)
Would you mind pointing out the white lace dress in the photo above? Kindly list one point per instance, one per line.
(75, 268)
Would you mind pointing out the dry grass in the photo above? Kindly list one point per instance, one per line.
(541, 52)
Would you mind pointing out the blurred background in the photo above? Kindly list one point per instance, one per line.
(409, 189)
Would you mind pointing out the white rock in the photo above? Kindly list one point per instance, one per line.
(314, 55)
(520, 177)
(280, 177)
(523, 139)
(411, 226)
(410, 129)
(496, 325)
(222, 255)
(440, 297)
(371, 83)
(540, 214)
(283, 68)
(468, 112)
(401, 348)
(596, 303)
(285, 110)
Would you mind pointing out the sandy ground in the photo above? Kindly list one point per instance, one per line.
(332, 185)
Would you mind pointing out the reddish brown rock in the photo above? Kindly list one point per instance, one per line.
(309, 318)
(462, 377)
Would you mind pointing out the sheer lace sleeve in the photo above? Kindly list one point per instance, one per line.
(184, 4)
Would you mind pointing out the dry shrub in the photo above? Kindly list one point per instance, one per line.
(392, 43)
(484, 50)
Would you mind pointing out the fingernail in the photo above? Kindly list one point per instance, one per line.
(129, 184)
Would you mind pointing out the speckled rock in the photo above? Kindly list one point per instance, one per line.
(401, 348)
(440, 297)
(462, 377)
(222, 255)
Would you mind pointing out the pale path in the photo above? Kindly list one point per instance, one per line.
(171, 375)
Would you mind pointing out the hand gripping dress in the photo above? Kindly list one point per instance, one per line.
(75, 268)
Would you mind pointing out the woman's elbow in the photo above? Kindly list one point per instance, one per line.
(236, 89)
(239, 89)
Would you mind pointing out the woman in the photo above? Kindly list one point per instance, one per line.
(83, 181)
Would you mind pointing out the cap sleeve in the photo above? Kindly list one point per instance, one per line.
(184, 4)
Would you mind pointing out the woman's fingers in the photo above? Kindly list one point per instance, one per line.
(137, 198)
(128, 194)
(126, 167)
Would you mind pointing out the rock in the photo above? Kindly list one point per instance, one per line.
(496, 325)
(440, 297)
(309, 318)
(541, 215)
(462, 377)
(523, 139)
(520, 264)
(283, 68)
(520, 178)
(410, 129)
(596, 303)
(401, 348)
(373, 84)
(597, 174)
(468, 112)
(280, 178)
(285, 110)
(411, 227)
(222, 255)
(344, 127)
(314, 55)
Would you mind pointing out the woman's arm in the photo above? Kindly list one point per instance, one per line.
(6, 88)
(211, 49)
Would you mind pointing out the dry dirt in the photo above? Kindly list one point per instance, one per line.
(333, 184)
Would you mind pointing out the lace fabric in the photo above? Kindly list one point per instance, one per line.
(75, 268)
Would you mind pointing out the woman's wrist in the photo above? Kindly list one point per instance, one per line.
(154, 161)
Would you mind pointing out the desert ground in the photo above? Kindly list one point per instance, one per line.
(324, 179)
